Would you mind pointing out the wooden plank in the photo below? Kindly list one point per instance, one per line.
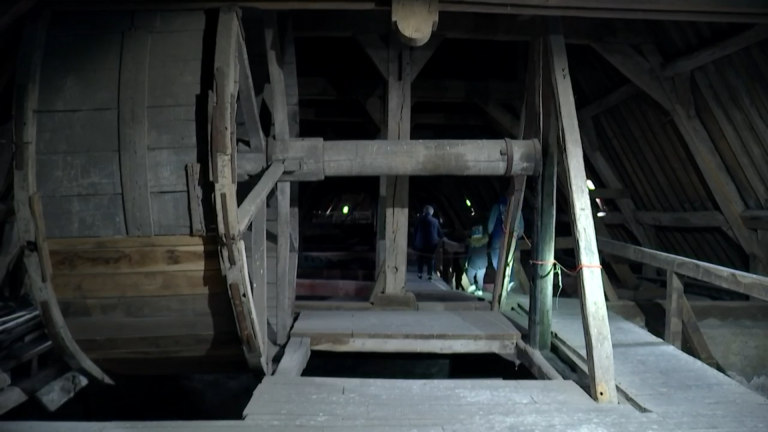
(695, 135)
(78, 131)
(151, 306)
(257, 197)
(133, 133)
(509, 239)
(594, 313)
(398, 128)
(179, 258)
(695, 336)
(10, 397)
(755, 219)
(88, 216)
(376, 51)
(713, 52)
(536, 363)
(702, 219)
(249, 100)
(285, 314)
(745, 283)
(295, 358)
(195, 195)
(673, 324)
(127, 242)
(612, 99)
(171, 127)
(259, 280)
(60, 390)
(73, 174)
(170, 213)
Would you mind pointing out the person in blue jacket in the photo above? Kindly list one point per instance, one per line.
(426, 237)
(496, 230)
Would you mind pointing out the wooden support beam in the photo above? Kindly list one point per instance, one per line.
(222, 151)
(248, 99)
(376, 50)
(195, 197)
(673, 324)
(535, 362)
(421, 55)
(60, 390)
(507, 122)
(398, 128)
(415, 20)
(734, 280)
(614, 98)
(755, 219)
(282, 125)
(702, 219)
(695, 135)
(509, 239)
(133, 133)
(541, 123)
(257, 197)
(713, 52)
(295, 358)
(594, 312)
(695, 336)
(30, 227)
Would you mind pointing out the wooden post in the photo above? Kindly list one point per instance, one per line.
(673, 325)
(398, 128)
(509, 240)
(282, 113)
(540, 318)
(593, 309)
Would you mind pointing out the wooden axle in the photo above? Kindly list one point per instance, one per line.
(315, 159)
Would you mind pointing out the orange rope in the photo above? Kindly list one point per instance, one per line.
(570, 272)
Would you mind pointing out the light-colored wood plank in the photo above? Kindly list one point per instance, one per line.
(295, 358)
(60, 390)
(179, 258)
(594, 313)
(673, 324)
(396, 191)
(133, 133)
(86, 243)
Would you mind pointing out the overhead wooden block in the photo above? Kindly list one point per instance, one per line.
(415, 20)
(406, 301)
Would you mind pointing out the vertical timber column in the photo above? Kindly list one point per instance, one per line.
(673, 323)
(540, 318)
(398, 128)
(292, 109)
(280, 117)
(593, 309)
(133, 133)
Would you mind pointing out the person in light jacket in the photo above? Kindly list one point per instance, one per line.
(496, 230)
(427, 235)
(477, 259)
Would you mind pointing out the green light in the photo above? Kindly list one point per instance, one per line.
(469, 204)
(345, 209)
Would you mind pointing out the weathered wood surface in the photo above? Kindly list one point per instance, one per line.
(600, 357)
(662, 379)
(407, 331)
(673, 324)
(295, 358)
(257, 197)
(435, 406)
(415, 20)
(742, 282)
(57, 392)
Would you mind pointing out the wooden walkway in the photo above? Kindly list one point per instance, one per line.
(446, 332)
(332, 404)
(659, 378)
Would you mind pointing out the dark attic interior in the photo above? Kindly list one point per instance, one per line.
(424, 215)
